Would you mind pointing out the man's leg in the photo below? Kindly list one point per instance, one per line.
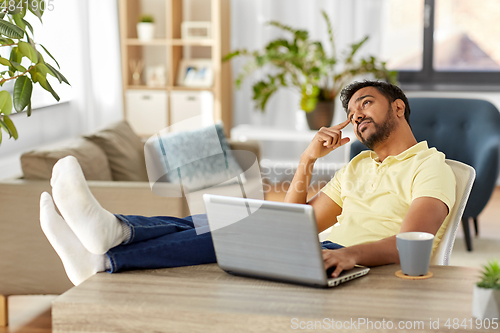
(152, 242)
(184, 246)
(328, 245)
(88, 230)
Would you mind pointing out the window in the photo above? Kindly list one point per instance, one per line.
(443, 43)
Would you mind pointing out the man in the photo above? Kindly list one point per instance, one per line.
(399, 186)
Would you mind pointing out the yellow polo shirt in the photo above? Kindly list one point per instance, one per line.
(375, 196)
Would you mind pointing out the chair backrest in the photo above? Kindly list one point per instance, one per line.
(464, 176)
(455, 126)
(465, 130)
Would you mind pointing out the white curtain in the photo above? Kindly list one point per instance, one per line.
(352, 20)
(84, 38)
(102, 99)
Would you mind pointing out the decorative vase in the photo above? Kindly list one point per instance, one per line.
(145, 31)
(485, 303)
(321, 116)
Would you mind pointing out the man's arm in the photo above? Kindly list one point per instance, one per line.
(324, 142)
(426, 214)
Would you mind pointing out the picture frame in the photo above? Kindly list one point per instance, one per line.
(195, 73)
(156, 76)
(196, 30)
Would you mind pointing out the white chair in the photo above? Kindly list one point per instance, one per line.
(464, 176)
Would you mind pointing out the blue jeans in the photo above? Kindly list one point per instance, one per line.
(166, 241)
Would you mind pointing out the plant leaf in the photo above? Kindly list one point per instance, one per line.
(6, 41)
(330, 32)
(5, 128)
(10, 30)
(22, 93)
(15, 55)
(33, 73)
(29, 109)
(46, 85)
(12, 128)
(20, 68)
(29, 26)
(43, 69)
(5, 102)
(32, 43)
(19, 21)
(15, 66)
(58, 75)
(228, 56)
(5, 62)
(40, 58)
(50, 55)
(37, 10)
(28, 51)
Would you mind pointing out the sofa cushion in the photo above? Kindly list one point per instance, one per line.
(125, 151)
(38, 164)
(198, 159)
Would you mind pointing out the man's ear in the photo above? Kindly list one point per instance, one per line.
(400, 107)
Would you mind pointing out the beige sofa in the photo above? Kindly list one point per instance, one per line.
(29, 265)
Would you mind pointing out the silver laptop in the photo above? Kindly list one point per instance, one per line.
(270, 240)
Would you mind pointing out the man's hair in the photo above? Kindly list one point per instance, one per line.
(390, 91)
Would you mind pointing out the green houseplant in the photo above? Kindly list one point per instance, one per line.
(26, 64)
(146, 18)
(146, 27)
(486, 295)
(303, 64)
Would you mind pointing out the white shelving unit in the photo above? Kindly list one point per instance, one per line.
(167, 49)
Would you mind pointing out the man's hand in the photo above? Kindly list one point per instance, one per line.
(326, 140)
(343, 259)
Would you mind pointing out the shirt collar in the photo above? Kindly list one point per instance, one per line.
(413, 150)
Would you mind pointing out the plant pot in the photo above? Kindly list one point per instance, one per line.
(321, 116)
(145, 31)
(485, 303)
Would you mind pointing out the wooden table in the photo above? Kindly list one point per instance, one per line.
(206, 299)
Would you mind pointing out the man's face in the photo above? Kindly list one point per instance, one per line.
(372, 116)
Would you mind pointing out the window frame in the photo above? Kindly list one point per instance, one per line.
(429, 78)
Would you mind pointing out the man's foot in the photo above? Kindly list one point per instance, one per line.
(97, 229)
(79, 263)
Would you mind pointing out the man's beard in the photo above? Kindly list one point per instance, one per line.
(382, 131)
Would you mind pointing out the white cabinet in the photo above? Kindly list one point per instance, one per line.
(194, 105)
(147, 111)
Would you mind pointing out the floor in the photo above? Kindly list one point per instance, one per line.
(31, 314)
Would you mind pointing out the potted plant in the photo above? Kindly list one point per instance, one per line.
(486, 295)
(146, 28)
(26, 64)
(303, 64)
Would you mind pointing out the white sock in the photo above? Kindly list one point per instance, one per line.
(79, 263)
(97, 229)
